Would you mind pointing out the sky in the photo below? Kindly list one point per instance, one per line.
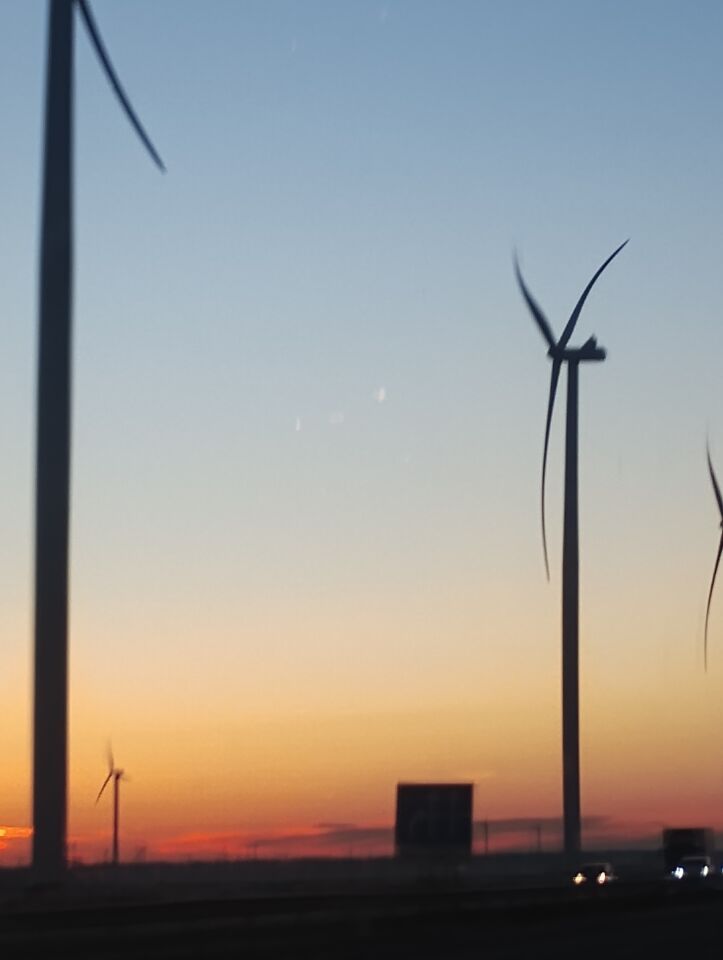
(309, 402)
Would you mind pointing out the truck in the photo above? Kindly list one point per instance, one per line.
(682, 842)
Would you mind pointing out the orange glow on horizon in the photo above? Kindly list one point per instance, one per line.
(518, 835)
(8, 836)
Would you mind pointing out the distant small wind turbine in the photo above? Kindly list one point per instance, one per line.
(50, 744)
(716, 490)
(116, 776)
(560, 353)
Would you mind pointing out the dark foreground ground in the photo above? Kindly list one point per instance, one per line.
(424, 919)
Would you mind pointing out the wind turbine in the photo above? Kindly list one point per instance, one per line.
(50, 745)
(559, 352)
(716, 490)
(116, 776)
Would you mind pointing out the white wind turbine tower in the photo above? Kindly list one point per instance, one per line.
(50, 736)
(560, 352)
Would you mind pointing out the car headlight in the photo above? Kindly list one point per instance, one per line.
(601, 878)
(578, 879)
(679, 873)
(704, 872)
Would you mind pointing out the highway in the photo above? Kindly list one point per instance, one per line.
(628, 920)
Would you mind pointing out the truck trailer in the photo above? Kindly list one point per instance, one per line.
(682, 842)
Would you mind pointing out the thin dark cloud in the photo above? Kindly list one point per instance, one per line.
(504, 834)
(349, 833)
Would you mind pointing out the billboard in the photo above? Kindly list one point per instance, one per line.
(433, 819)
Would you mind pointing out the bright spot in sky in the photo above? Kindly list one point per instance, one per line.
(298, 425)
(3, 832)
(380, 395)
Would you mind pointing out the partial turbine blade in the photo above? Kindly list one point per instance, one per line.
(707, 609)
(574, 316)
(716, 488)
(556, 365)
(97, 42)
(539, 316)
(105, 784)
(109, 757)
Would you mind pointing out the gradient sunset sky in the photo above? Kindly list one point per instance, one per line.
(309, 409)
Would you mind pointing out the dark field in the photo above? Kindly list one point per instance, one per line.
(368, 909)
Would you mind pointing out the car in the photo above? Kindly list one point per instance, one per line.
(599, 874)
(692, 868)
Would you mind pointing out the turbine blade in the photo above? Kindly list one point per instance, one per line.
(105, 784)
(555, 376)
(97, 42)
(716, 488)
(707, 609)
(109, 757)
(536, 312)
(574, 316)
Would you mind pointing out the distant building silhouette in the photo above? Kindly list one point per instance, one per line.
(433, 819)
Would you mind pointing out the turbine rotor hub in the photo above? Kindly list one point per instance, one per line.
(588, 351)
